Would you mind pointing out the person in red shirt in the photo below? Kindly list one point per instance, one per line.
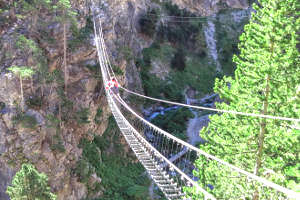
(113, 85)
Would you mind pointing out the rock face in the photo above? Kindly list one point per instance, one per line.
(55, 152)
(237, 3)
(209, 7)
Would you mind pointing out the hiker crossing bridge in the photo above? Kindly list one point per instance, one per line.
(167, 159)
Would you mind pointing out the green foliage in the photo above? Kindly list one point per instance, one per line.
(26, 45)
(94, 68)
(26, 121)
(52, 121)
(148, 22)
(29, 184)
(83, 170)
(154, 86)
(65, 8)
(227, 32)
(117, 70)
(171, 45)
(30, 47)
(127, 53)
(2, 105)
(34, 102)
(82, 116)
(90, 152)
(137, 191)
(121, 177)
(179, 33)
(56, 140)
(196, 73)
(174, 121)
(199, 75)
(266, 81)
(57, 143)
(98, 115)
(178, 61)
(34, 5)
(80, 36)
(21, 71)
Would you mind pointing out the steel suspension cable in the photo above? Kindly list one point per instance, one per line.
(212, 109)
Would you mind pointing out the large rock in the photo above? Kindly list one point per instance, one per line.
(6, 175)
(243, 4)
(9, 89)
(209, 7)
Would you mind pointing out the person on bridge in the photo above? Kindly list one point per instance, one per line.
(113, 86)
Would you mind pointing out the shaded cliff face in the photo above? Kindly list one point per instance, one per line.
(35, 135)
(209, 7)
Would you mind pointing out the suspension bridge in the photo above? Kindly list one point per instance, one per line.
(169, 160)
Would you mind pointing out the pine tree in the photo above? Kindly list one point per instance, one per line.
(266, 81)
(29, 48)
(22, 72)
(64, 6)
(29, 184)
(34, 8)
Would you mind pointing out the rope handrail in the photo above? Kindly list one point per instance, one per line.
(212, 109)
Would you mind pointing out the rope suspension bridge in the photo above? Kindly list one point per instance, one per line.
(167, 159)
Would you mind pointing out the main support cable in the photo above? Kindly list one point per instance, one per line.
(212, 109)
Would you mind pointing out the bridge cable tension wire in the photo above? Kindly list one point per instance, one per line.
(212, 109)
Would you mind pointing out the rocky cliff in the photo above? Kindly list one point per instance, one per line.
(34, 135)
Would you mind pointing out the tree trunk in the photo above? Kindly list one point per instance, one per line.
(261, 136)
(42, 87)
(65, 57)
(22, 95)
(31, 84)
(12, 13)
(34, 23)
(59, 116)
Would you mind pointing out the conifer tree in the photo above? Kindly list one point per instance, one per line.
(29, 184)
(35, 7)
(64, 6)
(266, 81)
(30, 49)
(22, 72)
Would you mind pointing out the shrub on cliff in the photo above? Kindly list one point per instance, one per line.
(29, 184)
(148, 23)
